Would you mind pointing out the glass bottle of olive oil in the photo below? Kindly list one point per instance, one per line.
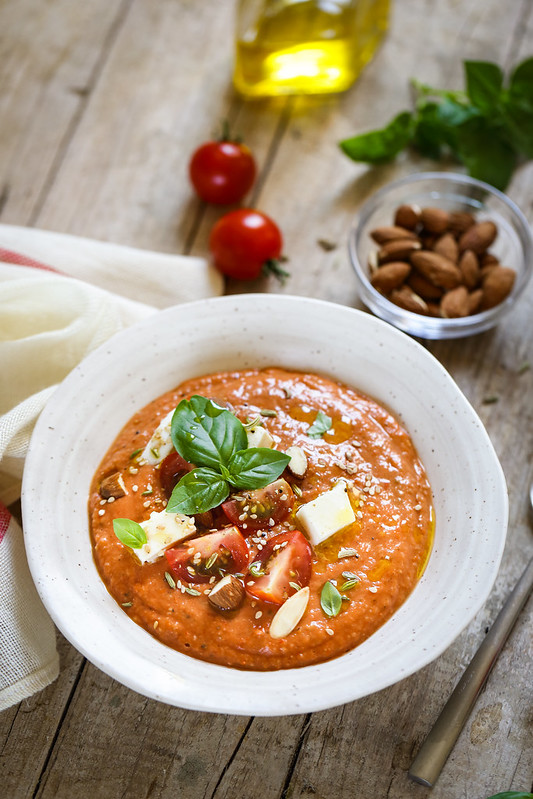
(305, 46)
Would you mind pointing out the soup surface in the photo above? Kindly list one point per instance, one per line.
(349, 452)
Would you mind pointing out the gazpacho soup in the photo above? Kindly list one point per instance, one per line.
(261, 519)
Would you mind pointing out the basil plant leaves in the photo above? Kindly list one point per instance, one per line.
(214, 440)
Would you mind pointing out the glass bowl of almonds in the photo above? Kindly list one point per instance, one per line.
(441, 255)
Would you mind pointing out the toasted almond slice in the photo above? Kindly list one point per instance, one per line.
(298, 461)
(289, 614)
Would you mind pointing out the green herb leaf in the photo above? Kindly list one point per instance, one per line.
(512, 795)
(256, 569)
(197, 492)
(256, 467)
(378, 146)
(129, 533)
(487, 156)
(206, 434)
(320, 426)
(330, 599)
(518, 108)
(484, 82)
(349, 584)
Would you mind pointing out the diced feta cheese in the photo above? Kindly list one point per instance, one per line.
(259, 437)
(330, 512)
(162, 531)
(160, 445)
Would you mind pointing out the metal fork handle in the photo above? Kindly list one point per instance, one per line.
(434, 752)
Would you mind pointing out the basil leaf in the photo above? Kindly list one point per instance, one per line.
(330, 599)
(256, 467)
(129, 533)
(485, 153)
(521, 82)
(484, 82)
(320, 426)
(512, 795)
(378, 146)
(197, 492)
(206, 434)
(518, 108)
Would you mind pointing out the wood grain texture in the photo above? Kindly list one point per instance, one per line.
(101, 107)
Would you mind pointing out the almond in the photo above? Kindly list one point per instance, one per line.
(487, 259)
(460, 221)
(447, 246)
(289, 614)
(298, 461)
(383, 234)
(112, 486)
(474, 301)
(407, 299)
(455, 303)
(424, 287)
(390, 276)
(497, 286)
(435, 219)
(227, 594)
(407, 216)
(479, 237)
(469, 268)
(397, 250)
(437, 269)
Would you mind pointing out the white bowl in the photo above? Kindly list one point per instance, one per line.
(101, 394)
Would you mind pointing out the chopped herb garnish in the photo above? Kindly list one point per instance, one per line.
(349, 584)
(147, 492)
(296, 586)
(297, 490)
(191, 591)
(267, 412)
(127, 604)
(155, 452)
(211, 560)
(253, 423)
(135, 453)
(256, 568)
(320, 426)
(330, 599)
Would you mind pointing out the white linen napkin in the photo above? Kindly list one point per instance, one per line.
(60, 297)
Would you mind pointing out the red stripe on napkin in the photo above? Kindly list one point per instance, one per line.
(11, 257)
(5, 519)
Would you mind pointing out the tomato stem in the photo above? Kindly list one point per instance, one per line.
(273, 267)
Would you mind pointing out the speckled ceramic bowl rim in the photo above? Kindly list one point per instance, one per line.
(96, 399)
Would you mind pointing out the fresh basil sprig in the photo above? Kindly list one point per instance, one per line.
(129, 533)
(215, 441)
(330, 599)
(488, 127)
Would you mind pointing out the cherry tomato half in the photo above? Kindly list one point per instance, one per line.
(222, 552)
(285, 559)
(172, 469)
(222, 172)
(244, 242)
(275, 501)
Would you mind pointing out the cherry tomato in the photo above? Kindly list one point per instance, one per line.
(244, 242)
(171, 470)
(222, 172)
(222, 552)
(285, 559)
(275, 501)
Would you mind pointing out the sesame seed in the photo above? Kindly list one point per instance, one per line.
(146, 504)
(258, 614)
(418, 507)
(373, 589)
(156, 624)
(359, 514)
(103, 501)
(111, 499)
(133, 470)
(135, 489)
(329, 632)
(101, 512)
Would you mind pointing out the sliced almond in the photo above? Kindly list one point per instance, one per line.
(298, 461)
(227, 594)
(289, 614)
(112, 486)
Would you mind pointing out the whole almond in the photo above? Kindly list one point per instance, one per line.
(497, 286)
(384, 234)
(455, 303)
(460, 221)
(390, 276)
(474, 301)
(424, 287)
(488, 258)
(437, 269)
(446, 245)
(469, 268)
(406, 298)
(434, 310)
(397, 250)
(227, 594)
(484, 271)
(479, 237)
(435, 219)
(407, 216)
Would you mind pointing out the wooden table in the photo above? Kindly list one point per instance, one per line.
(102, 104)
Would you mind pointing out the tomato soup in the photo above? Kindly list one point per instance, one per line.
(348, 454)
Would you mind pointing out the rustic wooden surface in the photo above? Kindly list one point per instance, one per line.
(101, 105)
